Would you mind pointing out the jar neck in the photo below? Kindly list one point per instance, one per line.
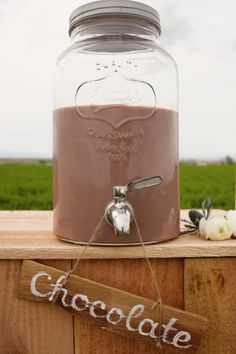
(113, 26)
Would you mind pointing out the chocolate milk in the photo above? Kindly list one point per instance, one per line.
(98, 147)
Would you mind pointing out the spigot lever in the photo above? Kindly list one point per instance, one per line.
(144, 183)
(119, 213)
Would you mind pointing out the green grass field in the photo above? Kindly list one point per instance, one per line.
(29, 187)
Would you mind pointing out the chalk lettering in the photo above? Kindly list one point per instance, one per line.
(33, 284)
(136, 311)
(57, 287)
(63, 299)
(93, 307)
(151, 333)
(167, 329)
(119, 312)
(186, 337)
(81, 302)
(83, 298)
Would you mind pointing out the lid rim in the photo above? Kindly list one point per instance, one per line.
(108, 7)
(116, 8)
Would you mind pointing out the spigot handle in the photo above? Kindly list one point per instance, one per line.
(144, 183)
(119, 212)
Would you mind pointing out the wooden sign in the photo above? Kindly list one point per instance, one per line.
(112, 309)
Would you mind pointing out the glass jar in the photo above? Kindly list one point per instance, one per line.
(115, 121)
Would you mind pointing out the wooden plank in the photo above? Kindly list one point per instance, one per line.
(33, 220)
(28, 235)
(132, 276)
(45, 246)
(27, 327)
(210, 288)
(112, 309)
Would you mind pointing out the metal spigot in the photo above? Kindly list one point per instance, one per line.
(119, 213)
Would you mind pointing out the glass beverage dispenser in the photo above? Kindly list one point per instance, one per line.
(115, 128)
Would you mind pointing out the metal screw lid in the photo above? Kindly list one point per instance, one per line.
(114, 8)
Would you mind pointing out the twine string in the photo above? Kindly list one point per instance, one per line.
(76, 265)
(158, 302)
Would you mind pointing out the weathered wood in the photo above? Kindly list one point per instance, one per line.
(130, 275)
(210, 288)
(27, 327)
(113, 309)
(37, 221)
(28, 235)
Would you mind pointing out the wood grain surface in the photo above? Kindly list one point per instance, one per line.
(28, 327)
(133, 276)
(203, 285)
(28, 235)
(210, 290)
(112, 298)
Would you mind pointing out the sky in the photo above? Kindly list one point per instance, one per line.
(200, 35)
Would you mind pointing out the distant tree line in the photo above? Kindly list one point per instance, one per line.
(228, 160)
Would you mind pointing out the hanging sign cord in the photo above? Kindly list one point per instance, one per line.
(158, 302)
(76, 265)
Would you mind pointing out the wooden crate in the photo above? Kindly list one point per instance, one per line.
(193, 274)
